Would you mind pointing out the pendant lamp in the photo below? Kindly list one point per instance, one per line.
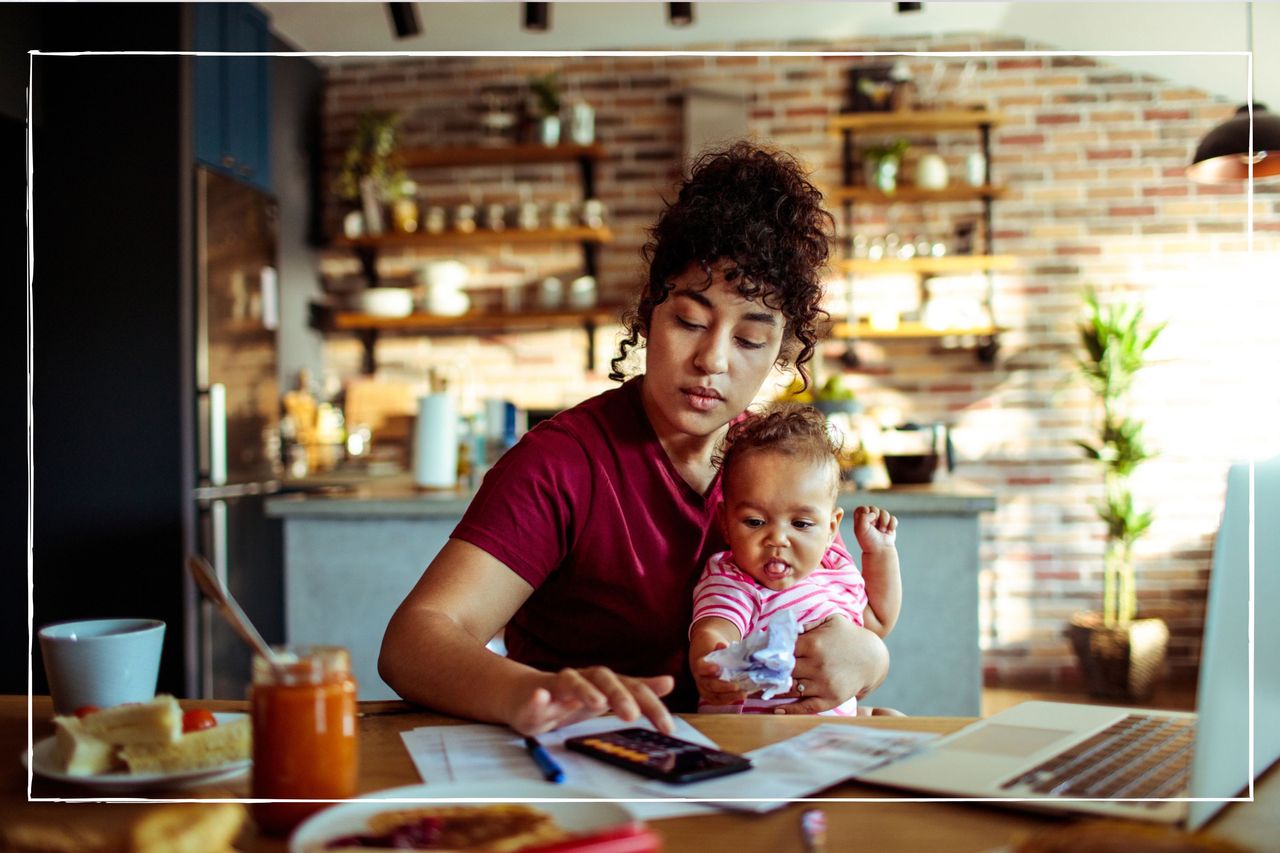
(1225, 153)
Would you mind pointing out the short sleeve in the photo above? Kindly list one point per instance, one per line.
(721, 593)
(841, 576)
(530, 505)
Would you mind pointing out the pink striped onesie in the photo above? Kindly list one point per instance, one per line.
(834, 588)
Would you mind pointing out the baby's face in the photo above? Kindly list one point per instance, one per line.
(779, 516)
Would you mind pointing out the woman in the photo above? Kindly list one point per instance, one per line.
(586, 538)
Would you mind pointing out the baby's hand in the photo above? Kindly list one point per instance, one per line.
(711, 688)
(875, 529)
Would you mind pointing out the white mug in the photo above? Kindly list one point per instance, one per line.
(101, 662)
(931, 172)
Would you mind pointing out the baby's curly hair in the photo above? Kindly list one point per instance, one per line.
(787, 428)
(755, 208)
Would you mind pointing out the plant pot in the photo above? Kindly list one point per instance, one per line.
(1123, 662)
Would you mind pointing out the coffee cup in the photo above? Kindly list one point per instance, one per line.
(101, 662)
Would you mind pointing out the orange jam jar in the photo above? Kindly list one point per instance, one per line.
(304, 733)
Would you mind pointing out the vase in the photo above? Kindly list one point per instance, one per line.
(549, 131)
(885, 175)
(1122, 662)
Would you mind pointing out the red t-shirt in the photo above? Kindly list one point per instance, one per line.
(590, 511)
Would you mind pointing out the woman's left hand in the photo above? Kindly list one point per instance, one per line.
(835, 661)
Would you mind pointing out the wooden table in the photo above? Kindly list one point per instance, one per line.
(884, 826)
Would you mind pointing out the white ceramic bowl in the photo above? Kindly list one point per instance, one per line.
(387, 301)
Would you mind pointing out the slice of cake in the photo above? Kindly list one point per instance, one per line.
(80, 753)
(213, 747)
(156, 722)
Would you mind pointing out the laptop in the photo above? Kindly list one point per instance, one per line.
(1134, 762)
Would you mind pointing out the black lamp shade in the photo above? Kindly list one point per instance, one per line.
(680, 14)
(537, 16)
(1223, 154)
(404, 18)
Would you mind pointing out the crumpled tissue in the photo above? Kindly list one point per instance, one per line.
(764, 660)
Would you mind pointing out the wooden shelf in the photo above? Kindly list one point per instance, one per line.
(927, 120)
(931, 266)
(955, 192)
(330, 319)
(426, 158)
(479, 237)
(864, 331)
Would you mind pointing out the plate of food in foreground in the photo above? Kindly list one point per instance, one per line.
(144, 746)
(471, 821)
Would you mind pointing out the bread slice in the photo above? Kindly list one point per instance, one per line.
(188, 828)
(222, 744)
(80, 753)
(156, 722)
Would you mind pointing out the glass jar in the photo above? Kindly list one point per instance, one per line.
(304, 734)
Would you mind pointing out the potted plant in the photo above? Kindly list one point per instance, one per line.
(881, 164)
(546, 95)
(371, 172)
(1120, 654)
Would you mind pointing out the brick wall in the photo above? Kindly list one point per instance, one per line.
(1093, 156)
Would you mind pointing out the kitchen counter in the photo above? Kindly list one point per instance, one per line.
(354, 547)
(397, 496)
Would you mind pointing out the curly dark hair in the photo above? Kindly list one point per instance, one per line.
(787, 428)
(755, 208)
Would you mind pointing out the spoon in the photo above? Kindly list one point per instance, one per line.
(212, 587)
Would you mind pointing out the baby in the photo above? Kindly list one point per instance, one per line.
(780, 475)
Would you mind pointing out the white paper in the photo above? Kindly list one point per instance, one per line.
(483, 753)
(797, 767)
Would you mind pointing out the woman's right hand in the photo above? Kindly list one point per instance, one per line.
(572, 695)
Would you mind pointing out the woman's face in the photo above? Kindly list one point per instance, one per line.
(708, 351)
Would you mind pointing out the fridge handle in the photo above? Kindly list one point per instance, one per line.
(218, 434)
(218, 539)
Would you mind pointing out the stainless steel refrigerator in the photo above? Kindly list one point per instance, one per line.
(237, 404)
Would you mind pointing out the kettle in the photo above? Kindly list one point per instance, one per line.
(912, 452)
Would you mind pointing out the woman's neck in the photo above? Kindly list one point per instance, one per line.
(690, 454)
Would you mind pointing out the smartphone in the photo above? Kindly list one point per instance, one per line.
(658, 756)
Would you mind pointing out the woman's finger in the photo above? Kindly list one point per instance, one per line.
(808, 705)
(574, 684)
(616, 692)
(651, 706)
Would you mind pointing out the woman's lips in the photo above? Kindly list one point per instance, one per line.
(702, 399)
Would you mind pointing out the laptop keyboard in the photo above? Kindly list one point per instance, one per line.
(1141, 756)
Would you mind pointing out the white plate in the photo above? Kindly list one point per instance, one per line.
(352, 817)
(45, 764)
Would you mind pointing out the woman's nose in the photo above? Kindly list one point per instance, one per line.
(712, 356)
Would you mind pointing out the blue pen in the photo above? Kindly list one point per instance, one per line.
(550, 770)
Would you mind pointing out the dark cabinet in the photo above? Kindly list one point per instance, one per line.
(233, 94)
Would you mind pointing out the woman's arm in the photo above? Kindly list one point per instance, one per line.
(836, 660)
(433, 653)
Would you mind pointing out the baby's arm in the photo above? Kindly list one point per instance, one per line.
(876, 531)
(708, 634)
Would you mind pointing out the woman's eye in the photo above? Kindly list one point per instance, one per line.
(687, 324)
(746, 344)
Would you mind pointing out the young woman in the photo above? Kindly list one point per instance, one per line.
(586, 538)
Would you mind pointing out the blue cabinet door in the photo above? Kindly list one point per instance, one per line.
(233, 93)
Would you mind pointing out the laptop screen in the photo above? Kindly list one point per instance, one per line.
(1248, 534)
